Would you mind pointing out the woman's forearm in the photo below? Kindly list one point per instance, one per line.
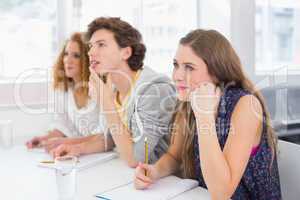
(215, 169)
(79, 140)
(166, 165)
(53, 134)
(94, 144)
(121, 138)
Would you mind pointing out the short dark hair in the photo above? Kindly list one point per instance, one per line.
(125, 36)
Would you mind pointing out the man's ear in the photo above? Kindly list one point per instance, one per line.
(126, 53)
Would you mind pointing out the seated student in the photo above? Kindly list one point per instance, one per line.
(137, 102)
(76, 118)
(222, 135)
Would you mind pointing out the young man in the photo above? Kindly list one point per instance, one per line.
(137, 102)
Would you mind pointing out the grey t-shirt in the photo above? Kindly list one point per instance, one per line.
(150, 109)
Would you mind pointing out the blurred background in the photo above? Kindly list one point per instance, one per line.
(265, 34)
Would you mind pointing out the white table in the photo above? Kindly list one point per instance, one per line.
(21, 178)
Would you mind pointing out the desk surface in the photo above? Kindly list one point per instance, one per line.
(21, 178)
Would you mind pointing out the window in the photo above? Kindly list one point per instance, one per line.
(28, 35)
(277, 35)
(160, 22)
(215, 14)
(32, 31)
(163, 24)
(88, 10)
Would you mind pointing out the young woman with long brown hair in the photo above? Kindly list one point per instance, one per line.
(222, 135)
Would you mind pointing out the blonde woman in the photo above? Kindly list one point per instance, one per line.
(221, 133)
(77, 119)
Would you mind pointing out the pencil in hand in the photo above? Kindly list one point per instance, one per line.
(146, 161)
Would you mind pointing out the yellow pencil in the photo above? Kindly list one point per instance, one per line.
(47, 161)
(52, 161)
(146, 153)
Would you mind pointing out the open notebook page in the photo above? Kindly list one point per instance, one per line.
(163, 189)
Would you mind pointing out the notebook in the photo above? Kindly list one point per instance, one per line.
(85, 161)
(163, 189)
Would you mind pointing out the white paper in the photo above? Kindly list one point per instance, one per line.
(163, 189)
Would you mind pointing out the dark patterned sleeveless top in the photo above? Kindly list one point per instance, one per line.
(261, 179)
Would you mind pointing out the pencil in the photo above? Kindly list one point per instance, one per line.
(47, 161)
(52, 161)
(146, 154)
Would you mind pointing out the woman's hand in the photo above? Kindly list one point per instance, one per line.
(66, 150)
(41, 141)
(143, 181)
(205, 100)
(52, 143)
(36, 142)
(101, 92)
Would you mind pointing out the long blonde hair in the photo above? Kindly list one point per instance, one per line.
(224, 65)
(60, 80)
